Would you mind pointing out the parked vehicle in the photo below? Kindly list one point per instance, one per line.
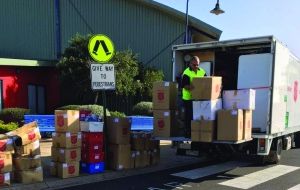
(263, 64)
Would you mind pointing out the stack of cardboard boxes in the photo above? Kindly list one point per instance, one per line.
(92, 150)
(144, 150)
(27, 162)
(207, 92)
(119, 143)
(6, 150)
(66, 147)
(165, 109)
(235, 121)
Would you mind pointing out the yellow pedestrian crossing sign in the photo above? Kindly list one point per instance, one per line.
(101, 48)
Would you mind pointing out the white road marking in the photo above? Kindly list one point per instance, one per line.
(210, 170)
(256, 178)
(297, 187)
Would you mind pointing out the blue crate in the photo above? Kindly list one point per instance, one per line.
(45, 122)
(141, 123)
(92, 168)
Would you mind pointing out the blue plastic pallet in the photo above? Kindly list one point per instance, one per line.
(92, 168)
(141, 123)
(45, 122)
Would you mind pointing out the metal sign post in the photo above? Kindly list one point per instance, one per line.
(101, 49)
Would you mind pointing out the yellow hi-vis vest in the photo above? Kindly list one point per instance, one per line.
(186, 94)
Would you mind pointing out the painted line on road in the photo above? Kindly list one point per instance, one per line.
(210, 170)
(297, 187)
(259, 177)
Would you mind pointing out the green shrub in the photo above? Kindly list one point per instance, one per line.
(4, 128)
(13, 115)
(117, 114)
(143, 108)
(96, 109)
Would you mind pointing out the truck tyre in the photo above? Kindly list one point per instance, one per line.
(297, 139)
(275, 153)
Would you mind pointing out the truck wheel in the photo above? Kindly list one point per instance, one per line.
(275, 153)
(297, 139)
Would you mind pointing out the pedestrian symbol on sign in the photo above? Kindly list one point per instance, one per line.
(101, 48)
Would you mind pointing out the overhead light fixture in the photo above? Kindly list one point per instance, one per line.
(217, 9)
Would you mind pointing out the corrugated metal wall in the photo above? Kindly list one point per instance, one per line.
(147, 31)
(27, 29)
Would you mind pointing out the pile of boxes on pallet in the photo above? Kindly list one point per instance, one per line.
(165, 110)
(214, 120)
(92, 150)
(119, 143)
(20, 154)
(66, 146)
(144, 150)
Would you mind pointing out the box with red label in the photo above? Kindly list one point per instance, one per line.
(165, 95)
(27, 134)
(25, 162)
(31, 149)
(67, 170)
(94, 147)
(67, 121)
(4, 179)
(6, 145)
(29, 176)
(118, 130)
(66, 154)
(5, 162)
(92, 157)
(165, 124)
(88, 137)
(66, 140)
(206, 88)
(91, 126)
(230, 125)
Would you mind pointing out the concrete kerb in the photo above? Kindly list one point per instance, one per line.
(57, 183)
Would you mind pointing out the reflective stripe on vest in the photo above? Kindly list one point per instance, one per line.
(186, 95)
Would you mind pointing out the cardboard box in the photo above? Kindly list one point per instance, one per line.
(155, 157)
(165, 95)
(89, 126)
(203, 131)
(29, 176)
(239, 99)
(165, 123)
(67, 170)
(132, 159)
(6, 145)
(25, 162)
(5, 162)
(4, 179)
(66, 155)
(138, 141)
(139, 163)
(53, 168)
(154, 144)
(230, 125)
(66, 140)
(119, 156)
(206, 110)
(118, 130)
(206, 88)
(67, 121)
(31, 149)
(247, 124)
(27, 134)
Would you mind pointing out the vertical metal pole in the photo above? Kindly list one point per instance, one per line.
(187, 22)
(105, 130)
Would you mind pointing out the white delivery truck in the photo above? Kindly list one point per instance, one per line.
(263, 64)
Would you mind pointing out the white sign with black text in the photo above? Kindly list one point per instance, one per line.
(103, 77)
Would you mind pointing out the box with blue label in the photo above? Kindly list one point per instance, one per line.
(92, 168)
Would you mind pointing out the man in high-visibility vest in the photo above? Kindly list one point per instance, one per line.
(187, 77)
